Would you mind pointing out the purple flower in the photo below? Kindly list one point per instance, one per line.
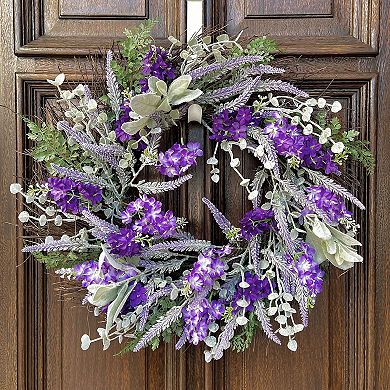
(289, 141)
(309, 273)
(125, 117)
(123, 242)
(137, 296)
(90, 192)
(88, 273)
(156, 63)
(256, 221)
(208, 268)
(146, 217)
(178, 159)
(257, 289)
(231, 126)
(197, 317)
(67, 193)
(330, 203)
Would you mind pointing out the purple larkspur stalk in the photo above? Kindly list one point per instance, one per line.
(231, 125)
(123, 244)
(331, 204)
(219, 218)
(258, 289)
(156, 63)
(256, 221)
(178, 159)
(207, 268)
(81, 177)
(70, 195)
(309, 273)
(145, 216)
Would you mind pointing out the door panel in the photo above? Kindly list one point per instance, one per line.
(345, 44)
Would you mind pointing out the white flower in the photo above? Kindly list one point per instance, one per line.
(79, 90)
(338, 147)
(24, 216)
(336, 106)
(321, 103)
(269, 164)
(92, 105)
(234, 162)
(259, 151)
(253, 195)
(15, 188)
(308, 129)
(42, 220)
(327, 132)
(58, 80)
(311, 102)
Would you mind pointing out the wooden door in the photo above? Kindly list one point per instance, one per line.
(338, 48)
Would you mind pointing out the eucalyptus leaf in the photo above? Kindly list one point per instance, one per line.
(185, 97)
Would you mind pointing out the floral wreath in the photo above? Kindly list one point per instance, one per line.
(140, 269)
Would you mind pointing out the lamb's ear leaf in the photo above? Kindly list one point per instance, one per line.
(161, 88)
(134, 127)
(187, 96)
(102, 295)
(179, 86)
(152, 83)
(145, 104)
(117, 304)
(164, 106)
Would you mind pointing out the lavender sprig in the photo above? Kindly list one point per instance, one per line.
(81, 177)
(265, 322)
(278, 85)
(178, 246)
(162, 324)
(224, 338)
(105, 153)
(219, 218)
(70, 132)
(224, 93)
(282, 224)
(112, 86)
(105, 228)
(224, 66)
(158, 187)
(59, 245)
(328, 183)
